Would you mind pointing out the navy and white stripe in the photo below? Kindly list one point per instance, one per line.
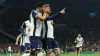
(36, 23)
(48, 30)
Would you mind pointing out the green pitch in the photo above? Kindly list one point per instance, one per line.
(60, 55)
(81, 55)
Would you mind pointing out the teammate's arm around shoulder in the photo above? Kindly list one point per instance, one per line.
(41, 17)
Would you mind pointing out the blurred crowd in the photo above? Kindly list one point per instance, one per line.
(65, 36)
(92, 46)
(89, 46)
(91, 38)
(4, 44)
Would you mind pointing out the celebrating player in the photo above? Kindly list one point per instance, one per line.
(79, 41)
(36, 19)
(28, 30)
(48, 41)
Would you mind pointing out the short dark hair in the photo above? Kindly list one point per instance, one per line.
(39, 4)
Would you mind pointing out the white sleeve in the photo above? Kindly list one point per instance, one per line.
(75, 40)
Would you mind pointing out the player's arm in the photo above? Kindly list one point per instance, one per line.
(22, 29)
(82, 40)
(41, 17)
(76, 40)
(44, 16)
(17, 39)
(55, 15)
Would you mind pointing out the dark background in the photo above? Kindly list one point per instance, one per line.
(76, 20)
(14, 12)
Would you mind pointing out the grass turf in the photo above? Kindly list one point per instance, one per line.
(60, 55)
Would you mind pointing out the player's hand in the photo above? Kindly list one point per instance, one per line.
(16, 43)
(63, 11)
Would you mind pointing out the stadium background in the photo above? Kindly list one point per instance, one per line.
(82, 16)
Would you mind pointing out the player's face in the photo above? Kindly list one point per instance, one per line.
(79, 35)
(41, 9)
(48, 9)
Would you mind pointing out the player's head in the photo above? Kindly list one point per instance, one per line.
(79, 35)
(40, 6)
(47, 8)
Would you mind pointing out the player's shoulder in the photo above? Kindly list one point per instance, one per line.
(34, 11)
(77, 38)
(82, 37)
(27, 21)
